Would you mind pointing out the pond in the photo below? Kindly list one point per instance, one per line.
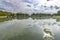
(28, 29)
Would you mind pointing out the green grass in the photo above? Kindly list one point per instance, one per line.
(57, 18)
(5, 19)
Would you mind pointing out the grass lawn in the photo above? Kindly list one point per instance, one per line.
(57, 18)
(5, 19)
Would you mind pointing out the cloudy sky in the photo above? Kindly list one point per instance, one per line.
(30, 6)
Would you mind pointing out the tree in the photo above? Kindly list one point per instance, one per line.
(58, 13)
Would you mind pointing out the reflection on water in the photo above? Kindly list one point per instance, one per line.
(28, 29)
(48, 34)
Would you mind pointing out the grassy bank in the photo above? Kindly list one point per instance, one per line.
(4, 19)
(57, 18)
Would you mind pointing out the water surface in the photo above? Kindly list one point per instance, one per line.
(28, 29)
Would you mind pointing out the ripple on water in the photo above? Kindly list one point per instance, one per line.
(27, 29)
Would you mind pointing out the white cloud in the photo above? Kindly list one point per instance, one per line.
(33, 5)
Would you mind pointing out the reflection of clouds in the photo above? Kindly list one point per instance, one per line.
(30, 23)
(50, 23)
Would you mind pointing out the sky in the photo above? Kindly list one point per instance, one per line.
(30, 6)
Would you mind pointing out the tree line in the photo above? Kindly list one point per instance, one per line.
(4, 13)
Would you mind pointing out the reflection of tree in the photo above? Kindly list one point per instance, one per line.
(22, 16)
